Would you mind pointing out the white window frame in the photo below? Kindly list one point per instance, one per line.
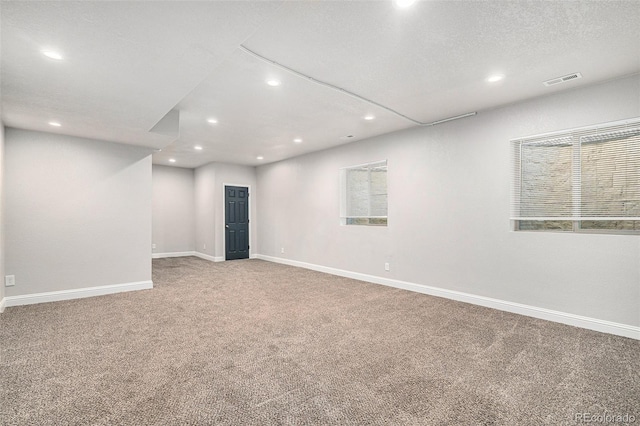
(367, 219)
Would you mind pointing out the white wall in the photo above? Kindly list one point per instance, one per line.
(449, 212)
(77, 212)
(205, 191)
(209, 205)
(173, 225)
(2, 291)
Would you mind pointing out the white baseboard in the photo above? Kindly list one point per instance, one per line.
(2, 304)
(208, 257)
(79, 293)
(503, 305)
(174, 254)
(194, 253)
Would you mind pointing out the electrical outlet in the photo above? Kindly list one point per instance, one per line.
(9, 280)
(386, 266)
(153, 246)
(282, 250)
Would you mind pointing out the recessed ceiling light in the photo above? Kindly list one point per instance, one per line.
(273, 82)
(403, 3)
(197, 148)
(212, 121)
(369, 117)
(495, 78)
(297, 140)
(172, 160)
(52, 54)
(259, 157)
(54, 124)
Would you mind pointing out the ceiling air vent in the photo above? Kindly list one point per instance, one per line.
(562, 79)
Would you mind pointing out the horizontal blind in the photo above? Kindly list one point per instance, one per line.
(364, 191)
(591, 173)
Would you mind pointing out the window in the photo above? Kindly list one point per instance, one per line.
(364, 194)
(579, 180)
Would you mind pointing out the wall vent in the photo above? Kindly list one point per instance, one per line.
(562, 79)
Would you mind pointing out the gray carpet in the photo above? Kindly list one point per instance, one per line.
(251, 342)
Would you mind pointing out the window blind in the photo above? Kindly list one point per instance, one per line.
(364, 192)
(586, 174)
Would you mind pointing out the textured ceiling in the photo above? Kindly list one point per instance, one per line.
(128, 64)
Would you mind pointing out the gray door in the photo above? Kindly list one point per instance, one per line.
(236, 222)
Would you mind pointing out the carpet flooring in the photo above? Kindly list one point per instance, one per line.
(256, 343)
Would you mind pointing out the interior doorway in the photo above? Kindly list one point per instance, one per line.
(236, 225)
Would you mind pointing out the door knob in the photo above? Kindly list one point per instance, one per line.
(226, 226)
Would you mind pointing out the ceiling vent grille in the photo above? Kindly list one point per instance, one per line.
(562, 79)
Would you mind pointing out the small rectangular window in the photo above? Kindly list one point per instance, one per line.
(364, 194)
